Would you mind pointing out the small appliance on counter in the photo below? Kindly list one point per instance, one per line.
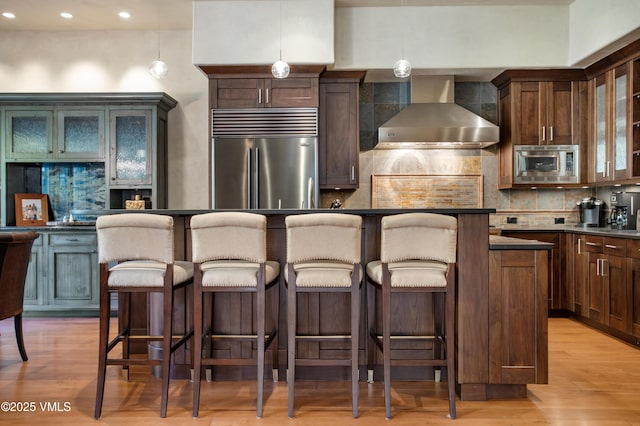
(589, 211)
(624, 210)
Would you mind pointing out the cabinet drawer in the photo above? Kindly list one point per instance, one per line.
(593, 244)
(633, 248)
(615, 246)
(72, 239)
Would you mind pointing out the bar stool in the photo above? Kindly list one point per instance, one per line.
(230, 255)
(417, 254)
(141, 246)
(323, 255)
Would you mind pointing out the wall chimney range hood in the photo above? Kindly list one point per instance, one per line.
(434, 121)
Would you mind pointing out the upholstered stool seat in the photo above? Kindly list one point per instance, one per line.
(323, 255)
(136, 255)
(417, 255)
(229, 251)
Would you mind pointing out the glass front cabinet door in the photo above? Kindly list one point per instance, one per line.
(130, 145)
(81, 134)
(29, 134)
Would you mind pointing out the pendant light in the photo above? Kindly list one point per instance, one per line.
(402, 68)
(158, 68)
(280, 69)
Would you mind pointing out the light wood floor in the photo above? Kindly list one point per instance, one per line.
(593, 380)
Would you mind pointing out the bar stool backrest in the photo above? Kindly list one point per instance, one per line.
(229, 235)
(418, 236)
(135, 236)
(323, 236)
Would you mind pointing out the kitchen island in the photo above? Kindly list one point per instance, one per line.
(473, 302)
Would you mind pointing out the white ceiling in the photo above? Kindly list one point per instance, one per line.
(44, 15)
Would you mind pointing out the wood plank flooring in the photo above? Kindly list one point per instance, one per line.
(593, 380)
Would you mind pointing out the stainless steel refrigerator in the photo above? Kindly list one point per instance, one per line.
(265, 173)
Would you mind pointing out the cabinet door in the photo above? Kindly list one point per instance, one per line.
(580, 277)
(558, 128)
(601, 162)
(34, 292)
(338, 138)
(528, 122)
(81, 134)
(29, 134)
(292, 93)
(633, 299)
(616, 291)
(517, 316)
(619, 134)
(238, 93)
(610, 131)
(73, 270)
(131, 154)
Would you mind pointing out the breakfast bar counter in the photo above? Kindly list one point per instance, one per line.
(473, 304)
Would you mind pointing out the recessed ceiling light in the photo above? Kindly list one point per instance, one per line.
(66, 15)
(8, 15)
(124, 15)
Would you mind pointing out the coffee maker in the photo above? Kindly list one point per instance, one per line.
(619, 217)
(589, 210)
(628, 206)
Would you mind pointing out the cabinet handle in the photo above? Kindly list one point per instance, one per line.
(602, 268)
(266, 98)
(544, 135)
(608, 164)
(610, 246)
(72, 239)
(589, 243)
(598, 266)
(353, 173)
(580, 246)
(550, 133)
(259, 96)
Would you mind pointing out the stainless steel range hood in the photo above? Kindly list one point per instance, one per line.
(434, 121)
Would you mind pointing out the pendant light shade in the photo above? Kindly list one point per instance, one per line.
(280, 69)
(158, 69)
(402, 68)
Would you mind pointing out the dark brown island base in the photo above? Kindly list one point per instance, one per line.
(501, 308)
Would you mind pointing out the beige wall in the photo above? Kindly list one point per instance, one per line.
(118, 61)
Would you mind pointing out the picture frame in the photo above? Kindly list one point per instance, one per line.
(31, 209)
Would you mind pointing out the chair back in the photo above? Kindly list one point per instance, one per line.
(229, 235)
(418, 236)
(15, 254)
(135, 236)
(323, 236)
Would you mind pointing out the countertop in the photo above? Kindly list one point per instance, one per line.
(604, 231)
(499, 242)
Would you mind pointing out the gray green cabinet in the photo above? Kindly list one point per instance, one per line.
(86, 151)
(63, 274)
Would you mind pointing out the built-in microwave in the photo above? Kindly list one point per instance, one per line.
(553, 164)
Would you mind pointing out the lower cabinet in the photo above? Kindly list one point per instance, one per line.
(633, 287)
(518, 317)
(63, 274)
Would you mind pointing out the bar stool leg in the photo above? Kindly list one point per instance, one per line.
(355, 338)
(103, 343)
(386, 338)
(260, 312)
(291, 338)
(167, 331)
(197, 340)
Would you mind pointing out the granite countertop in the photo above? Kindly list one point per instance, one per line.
(604, 231)
(498, 242)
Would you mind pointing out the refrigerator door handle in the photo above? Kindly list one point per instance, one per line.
(310, 194)
(256, 191)
(249, 181)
